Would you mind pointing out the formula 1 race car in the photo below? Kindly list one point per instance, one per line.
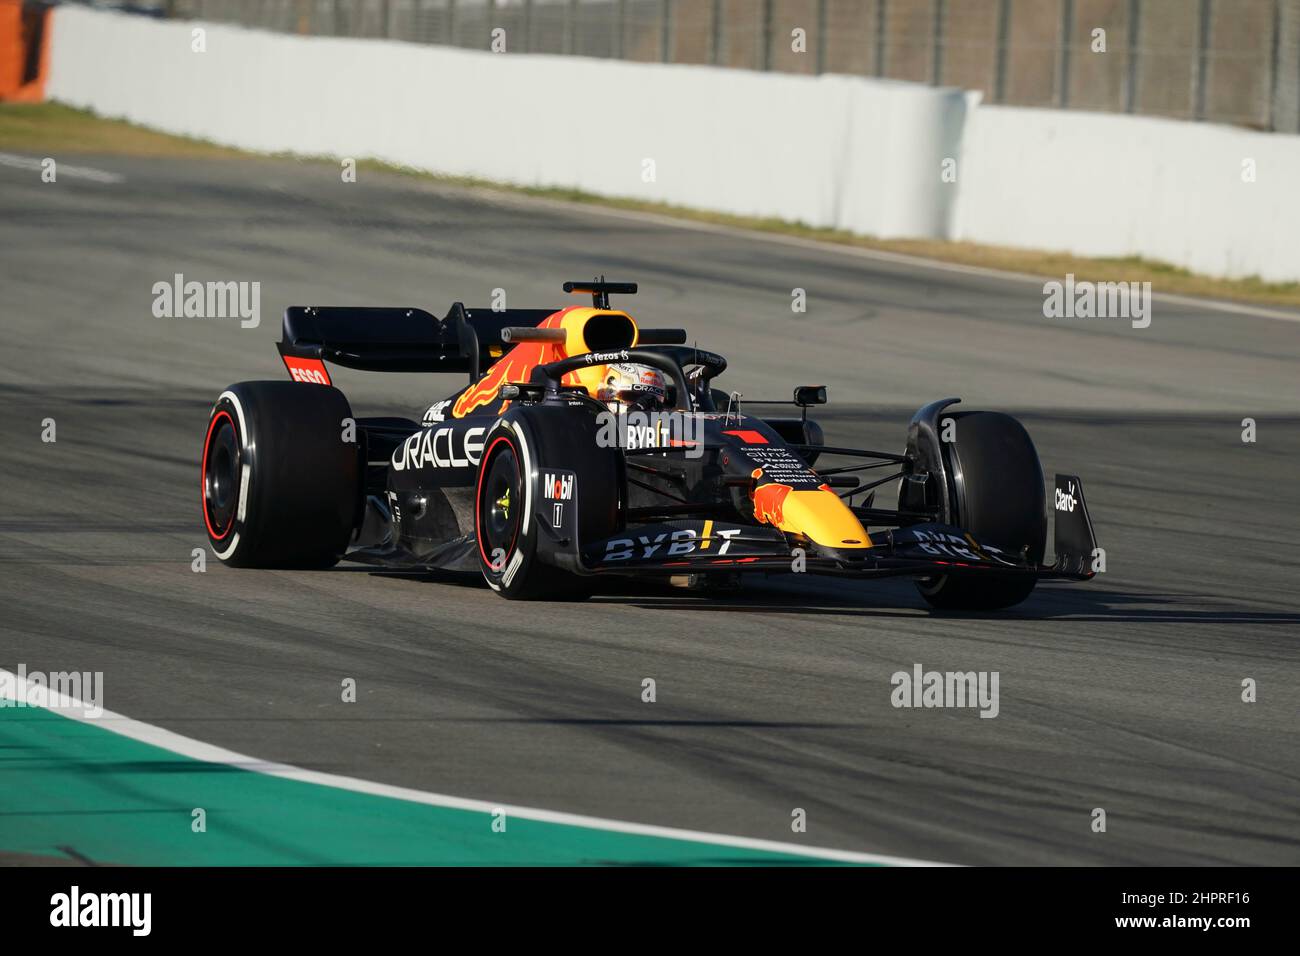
(585, 445)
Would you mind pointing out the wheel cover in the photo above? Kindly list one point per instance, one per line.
(500, 509)
(222, 475)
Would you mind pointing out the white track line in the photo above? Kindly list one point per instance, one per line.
(61, 169)
(74, 709)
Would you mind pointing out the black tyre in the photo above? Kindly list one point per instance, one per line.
(997, 493)
(279, 485)
(514, 558)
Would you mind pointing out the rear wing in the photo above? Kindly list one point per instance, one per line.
(468, 341)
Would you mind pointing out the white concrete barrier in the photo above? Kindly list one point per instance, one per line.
(1099, 184)
(850, 153)
(830, 151)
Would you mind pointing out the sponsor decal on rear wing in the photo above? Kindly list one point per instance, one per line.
(311, 371)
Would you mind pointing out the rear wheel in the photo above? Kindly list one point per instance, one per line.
(279, 486)
(996, 493)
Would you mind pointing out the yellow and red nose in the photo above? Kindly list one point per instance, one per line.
(817, 513)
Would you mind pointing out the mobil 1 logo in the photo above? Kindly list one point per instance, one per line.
(559, 495)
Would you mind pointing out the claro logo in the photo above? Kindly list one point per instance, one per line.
(1065, 500)
(441, 448)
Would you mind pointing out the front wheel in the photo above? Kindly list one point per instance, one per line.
(507, 534)
(997, 493)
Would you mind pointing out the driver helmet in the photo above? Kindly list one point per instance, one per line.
(637, 385)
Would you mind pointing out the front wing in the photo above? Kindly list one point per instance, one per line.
(694, 547)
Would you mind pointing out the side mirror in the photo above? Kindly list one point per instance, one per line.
(805, 395)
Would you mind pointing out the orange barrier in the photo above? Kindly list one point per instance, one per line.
(24, 51)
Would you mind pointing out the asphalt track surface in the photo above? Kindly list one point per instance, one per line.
(1123, 694)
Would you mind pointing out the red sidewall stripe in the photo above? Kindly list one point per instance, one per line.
(478, 497)
(203, 475)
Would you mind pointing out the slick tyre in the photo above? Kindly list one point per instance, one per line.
(996, 493)
(279, 486)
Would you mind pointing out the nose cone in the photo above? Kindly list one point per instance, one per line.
(818, 513)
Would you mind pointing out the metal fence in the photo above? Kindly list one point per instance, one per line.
(1229, 61)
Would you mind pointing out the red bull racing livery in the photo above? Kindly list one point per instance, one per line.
(585, 445)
